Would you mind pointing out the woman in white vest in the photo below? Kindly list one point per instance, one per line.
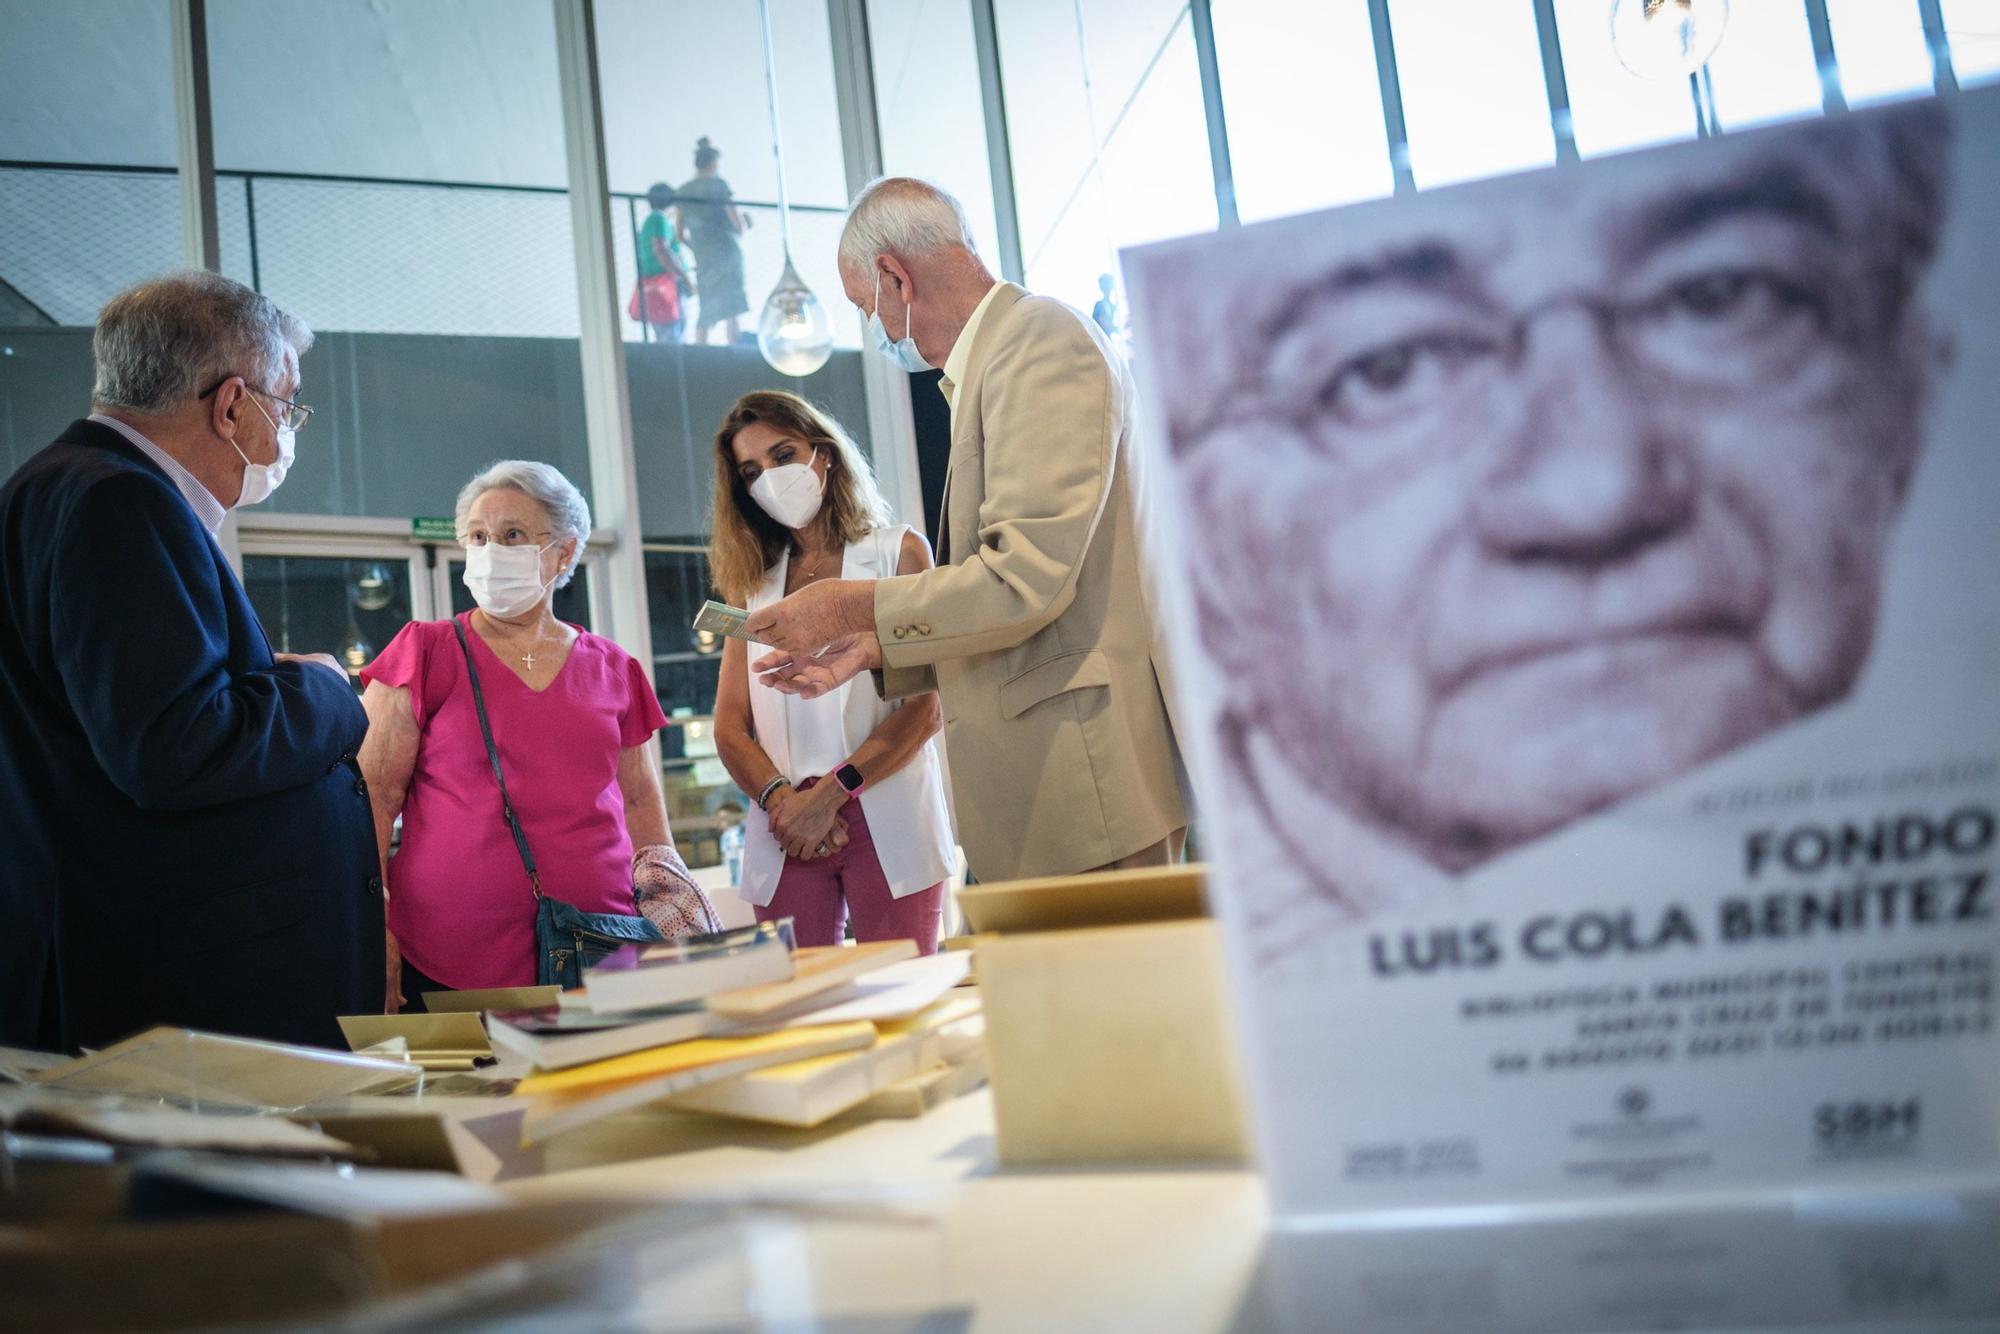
(854, 822)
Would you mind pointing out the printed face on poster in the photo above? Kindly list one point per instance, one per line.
(1578, 587)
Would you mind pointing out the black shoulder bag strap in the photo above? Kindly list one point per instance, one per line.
(493, 754)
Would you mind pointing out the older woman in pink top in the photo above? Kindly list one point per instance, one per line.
(571, 714)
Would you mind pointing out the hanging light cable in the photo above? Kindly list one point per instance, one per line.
(793, 333)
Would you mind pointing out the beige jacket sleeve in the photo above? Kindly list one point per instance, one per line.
(1049, 423)
(893, 683)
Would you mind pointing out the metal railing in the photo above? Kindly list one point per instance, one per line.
(361, 253)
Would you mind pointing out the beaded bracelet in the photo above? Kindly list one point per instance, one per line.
(769, 788)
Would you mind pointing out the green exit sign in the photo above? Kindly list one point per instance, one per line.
(433, 530)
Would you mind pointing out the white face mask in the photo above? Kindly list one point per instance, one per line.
(902, 351)
(790, 493)
(261, 479)
(505, 581)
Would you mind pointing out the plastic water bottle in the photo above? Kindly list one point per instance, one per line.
(732, 853)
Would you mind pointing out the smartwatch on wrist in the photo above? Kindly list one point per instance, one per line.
(849, 779)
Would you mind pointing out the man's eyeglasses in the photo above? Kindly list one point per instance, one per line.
(293, 415)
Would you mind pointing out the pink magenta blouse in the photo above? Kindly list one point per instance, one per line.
(460, 903)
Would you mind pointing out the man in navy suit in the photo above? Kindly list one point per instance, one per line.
(184, 834)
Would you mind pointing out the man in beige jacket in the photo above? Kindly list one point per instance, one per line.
(1033, 628)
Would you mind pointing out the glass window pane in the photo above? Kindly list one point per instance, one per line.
(815, 239)
(402, 421)
(1139, 97)
(1611, 108)
(322, 604)
(928, 101)
(685, 667)
(71, 238)
(679, 397)
(45, 378)
(1303, 106)
(673, 75)
(685, 663)
(425, 259)
(1474, 99)
(1881, 48)
(1764, 69)
(421, 226)
(1155, 163)
(1973, 29)
(424, 254)
(452, 89)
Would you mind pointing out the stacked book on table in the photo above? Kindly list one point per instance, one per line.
(741, 1024)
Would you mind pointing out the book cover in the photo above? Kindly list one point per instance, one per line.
(559, 1103)
(553, 1038)
(787, 1044)
(647, 976)
(817, 971)
(1577, 586)
(895, 992)
(211, 1069)
(807, 1092)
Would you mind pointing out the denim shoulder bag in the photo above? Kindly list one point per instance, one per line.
(566, 937)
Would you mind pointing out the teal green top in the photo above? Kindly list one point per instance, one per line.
(654, 228)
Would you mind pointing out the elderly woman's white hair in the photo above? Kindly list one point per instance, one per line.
(569, 514)
(902, 215)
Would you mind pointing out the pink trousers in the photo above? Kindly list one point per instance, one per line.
(820, 895)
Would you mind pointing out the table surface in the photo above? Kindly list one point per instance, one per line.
(952, 1231)
(912, 1224)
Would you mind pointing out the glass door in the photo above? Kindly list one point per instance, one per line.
(348, 605)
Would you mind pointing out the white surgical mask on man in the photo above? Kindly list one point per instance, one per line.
(791, 493)
(902, 351)
(505, 581)
(261, 479)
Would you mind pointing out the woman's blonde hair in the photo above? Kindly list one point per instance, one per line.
(744, 542)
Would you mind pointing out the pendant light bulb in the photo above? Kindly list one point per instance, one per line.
(794, 333)
(1667, 39)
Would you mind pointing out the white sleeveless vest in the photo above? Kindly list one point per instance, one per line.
(907, 811)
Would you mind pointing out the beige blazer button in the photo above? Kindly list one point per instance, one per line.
(900, 632)
(923, 629)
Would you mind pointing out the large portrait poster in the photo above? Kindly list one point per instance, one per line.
(1582, 594)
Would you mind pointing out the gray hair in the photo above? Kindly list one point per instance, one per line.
(163, 342)
(902, 215)
(547, 487)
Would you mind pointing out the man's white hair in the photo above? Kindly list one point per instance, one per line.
(170, 339)
(902, 215)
